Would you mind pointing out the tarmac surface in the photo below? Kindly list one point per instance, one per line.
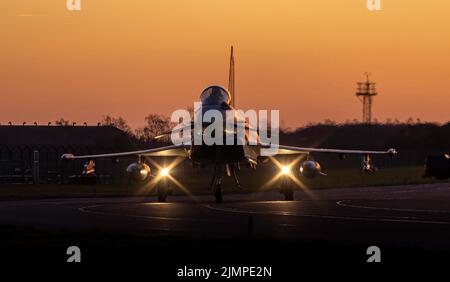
(414, 215)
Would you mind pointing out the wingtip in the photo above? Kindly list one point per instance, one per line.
(392, 151)
(67, 156)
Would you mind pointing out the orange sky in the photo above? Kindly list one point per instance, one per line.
(303, 57)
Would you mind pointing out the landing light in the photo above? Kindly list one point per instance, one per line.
(164, 172)
(285, 170)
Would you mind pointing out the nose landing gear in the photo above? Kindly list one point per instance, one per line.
(218, 193)
(216, 184)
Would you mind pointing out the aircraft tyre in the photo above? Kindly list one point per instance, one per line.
(288, 193)
(162, 193)
(218, 193)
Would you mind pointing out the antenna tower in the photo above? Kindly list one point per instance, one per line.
(365, 93)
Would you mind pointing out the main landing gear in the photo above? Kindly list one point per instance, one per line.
(287, 189)
(163, 190)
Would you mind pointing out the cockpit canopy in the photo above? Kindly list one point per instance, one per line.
(215, 95)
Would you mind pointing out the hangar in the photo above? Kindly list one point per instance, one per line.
(18, 144)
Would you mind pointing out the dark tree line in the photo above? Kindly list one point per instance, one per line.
(411, 134)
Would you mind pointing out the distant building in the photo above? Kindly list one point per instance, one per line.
(17, 144)
(64, 136)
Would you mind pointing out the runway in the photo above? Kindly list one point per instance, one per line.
(416, 215)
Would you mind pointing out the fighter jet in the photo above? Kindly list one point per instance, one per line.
(227, 158)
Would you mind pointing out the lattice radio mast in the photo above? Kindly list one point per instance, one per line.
(365, 93)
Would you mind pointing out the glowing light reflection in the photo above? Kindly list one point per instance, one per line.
(164, 173)
(285, 170)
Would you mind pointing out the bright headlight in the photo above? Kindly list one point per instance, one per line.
(164, 172)
(285, 170)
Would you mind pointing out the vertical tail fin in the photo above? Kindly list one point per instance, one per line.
(231, 79)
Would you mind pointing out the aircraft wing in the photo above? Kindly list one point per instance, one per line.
(166, 151)
(292, 150)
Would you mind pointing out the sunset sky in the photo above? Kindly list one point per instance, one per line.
(303, 57)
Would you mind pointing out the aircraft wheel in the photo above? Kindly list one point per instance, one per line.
(162, 193)
(218, 192)
(289, 193)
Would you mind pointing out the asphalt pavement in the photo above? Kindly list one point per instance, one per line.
(413, 216)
